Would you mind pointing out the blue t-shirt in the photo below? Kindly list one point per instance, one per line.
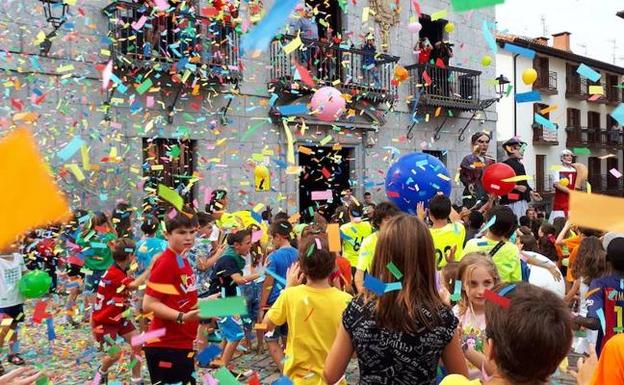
(146, 249)
(605, 302)
(279, 261)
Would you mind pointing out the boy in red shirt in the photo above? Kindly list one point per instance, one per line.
(112, 301)
(171, 296)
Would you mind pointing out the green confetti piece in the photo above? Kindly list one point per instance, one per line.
(225, 377)
(394, 270)
(133, 363)
(143, 87)
(326, 140)
(222, 307)
(467, 5)
(581, 151)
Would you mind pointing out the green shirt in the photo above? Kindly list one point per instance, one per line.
(97, 251)
(506, 259)
(353, 233)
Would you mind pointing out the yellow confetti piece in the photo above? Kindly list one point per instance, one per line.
(518, 178)
(293, 45)
(76, 171)
(596, 90)
(65, 68)
(164, 288)
(290, 152)
(443, 177)
(84, 154)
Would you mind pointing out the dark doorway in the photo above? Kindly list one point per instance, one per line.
(329, 15)
(613, 181)
(432, 30)
(324, 170)
(595, 178)
(170, 162)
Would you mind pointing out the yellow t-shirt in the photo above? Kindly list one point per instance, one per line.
(444, 238)
(313, 316)
(506, 259)
(367, 252)
(353, 234)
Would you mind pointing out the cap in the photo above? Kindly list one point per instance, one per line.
(609, 237)
(513, 141)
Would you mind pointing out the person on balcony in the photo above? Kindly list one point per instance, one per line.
(441, 54)
(369, 63)
(518, 200)
(471, 169)
(423, 50)
(305, 25)
(564, 180)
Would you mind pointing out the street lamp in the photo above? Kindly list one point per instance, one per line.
(620, 14)
(55, 13)
(501, 84)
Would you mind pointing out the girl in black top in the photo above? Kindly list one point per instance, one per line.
(400, 336)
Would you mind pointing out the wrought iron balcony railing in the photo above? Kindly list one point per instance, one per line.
(361, 73)
(544, 136)
(451, 87)
(178, 40)
(546, 83)
(576, 87)
(593, 137)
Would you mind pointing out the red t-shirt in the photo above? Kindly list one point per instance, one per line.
(109, 304)
(170, 269)
(562, 200)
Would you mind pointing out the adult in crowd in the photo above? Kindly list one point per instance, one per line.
(564, 180)
(518, 199)
(471, 169)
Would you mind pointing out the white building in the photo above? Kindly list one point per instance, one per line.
(582, 121)
(185, 109)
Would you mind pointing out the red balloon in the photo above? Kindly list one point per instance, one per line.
(493, 176)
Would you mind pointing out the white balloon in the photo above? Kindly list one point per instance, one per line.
(414, 27)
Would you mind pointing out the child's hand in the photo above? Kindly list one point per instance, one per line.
(420, 210)
(586, 367)
(294, 276)
(21, 376)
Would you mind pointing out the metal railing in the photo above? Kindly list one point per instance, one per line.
(542, 135)
(345, 67)
(576, 86)
(593, 137)
(178, 40)
(546, 82)
(446, 87)
(606, 184)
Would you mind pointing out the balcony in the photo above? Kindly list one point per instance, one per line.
(176, 42)
(543, 136)
(450, 87)
(593, 137)
(606, 184)
(335, 65)
(576, 87)
(546, 83)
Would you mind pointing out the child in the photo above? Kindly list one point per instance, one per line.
(476, 273)
(312, 312)
(171, 295)
(474, 223)
(590, 264)
(227, 276)
(606, 298)
(108, 320)
(546, 242)
(495, 243)
(544, 273)
(150, 245)
(353, 234)
(278, 263)
(11, 301)
(528, 338)
(74, 263)
(447, 237)
(399, 335)
(95, 243)
(383, 212)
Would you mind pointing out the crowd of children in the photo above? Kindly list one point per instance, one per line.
(413, 297)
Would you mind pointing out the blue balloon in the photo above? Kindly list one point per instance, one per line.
(414, 178)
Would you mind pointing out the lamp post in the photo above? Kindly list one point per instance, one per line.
(501, 83)
(620, 14)
(55, 13)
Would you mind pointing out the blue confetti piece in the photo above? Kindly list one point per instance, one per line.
(487, 225)
(393, 286)
(618, 114)
(180, 261)
(205, 356)
(489, 38)
(51, 333)
(506, 289)
(259, 38)
(375, 285)
(587, 72)
(526, 97)
(70, 148)
(276, 277)
(544, 122)
(282, 381)
(520, 50)
(293, 110)
(456, 296)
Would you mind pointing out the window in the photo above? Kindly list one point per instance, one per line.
(540, 174)
(612, 91)
(540, 63)
(573, 118)
(576, 86)
(170, 162)
(540, 133)
(593, 127)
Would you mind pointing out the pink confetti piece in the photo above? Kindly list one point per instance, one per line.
(161, 5)
(139, 23)
(615, 173)
(322, 195)
(256, 236)
(142, 338)
(106, 75)
(149, 102)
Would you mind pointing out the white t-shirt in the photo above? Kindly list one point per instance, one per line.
(541, 277)
(11, 267)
